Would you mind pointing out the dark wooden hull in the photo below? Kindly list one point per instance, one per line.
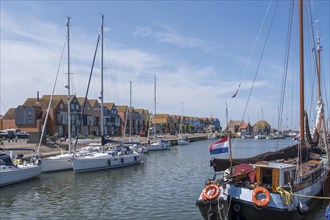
(241, 210)
(284, 153)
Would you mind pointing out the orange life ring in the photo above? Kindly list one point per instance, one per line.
(211, 192)
(260, 202)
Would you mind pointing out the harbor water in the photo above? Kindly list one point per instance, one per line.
(165, 186)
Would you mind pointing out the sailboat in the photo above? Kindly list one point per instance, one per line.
(134, 145)
(279, 189)
(181, 140)
(14, 168)
(61, 162)
(158, 144)
(118, 155)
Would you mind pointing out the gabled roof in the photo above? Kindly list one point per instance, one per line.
(161, 116)
(262, 123)
(57, 98)
(159, 120)
(94, 103)
(81, 101)
(235, 122)
(32, 102)
(109, 105)
(244, 126)
(42, 102)
(140, 110)
(10, 114)
(122, 108)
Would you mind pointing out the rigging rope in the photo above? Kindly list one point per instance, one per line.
(245, 70)
(285, 72)
(51, 99)
(89, 81)
(263, 50)
(252, 51)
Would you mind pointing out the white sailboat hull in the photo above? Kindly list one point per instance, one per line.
(60, 162)
(183, 142)
(104, 161)
(15, 174)
(159, 146)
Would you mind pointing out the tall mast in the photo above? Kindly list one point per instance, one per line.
(226, 116)
(101, 93)
(302, 104)
(130, 111)
(68, 86)
(319, 104)
(319, 64)
(155, 109)
(181, 121)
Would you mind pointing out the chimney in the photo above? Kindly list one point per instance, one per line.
(37, 96)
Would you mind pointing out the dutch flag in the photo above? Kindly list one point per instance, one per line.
(221, 146)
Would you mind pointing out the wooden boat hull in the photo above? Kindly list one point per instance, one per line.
(239, 205)
(284, 153)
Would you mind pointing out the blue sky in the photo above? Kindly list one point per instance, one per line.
(200, 51)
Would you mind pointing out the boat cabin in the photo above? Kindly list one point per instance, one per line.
(274, 174)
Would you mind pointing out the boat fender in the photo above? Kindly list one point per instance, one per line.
(37, 162)
(303, 208)
(211, 192)
(122, 160)
(260, 202)
(109, 162)
(226, 174)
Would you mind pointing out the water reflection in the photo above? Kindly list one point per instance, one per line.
(165, 186)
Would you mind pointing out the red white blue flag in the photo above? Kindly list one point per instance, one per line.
(221, 146)
(296, 138)
(236, 92)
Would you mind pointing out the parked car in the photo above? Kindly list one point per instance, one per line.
(4, 134)
(11, 134)
(22, 134)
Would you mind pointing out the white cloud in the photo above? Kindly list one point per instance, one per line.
(169, 35)
(32, 49)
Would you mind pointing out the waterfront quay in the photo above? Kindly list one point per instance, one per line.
(54, 148)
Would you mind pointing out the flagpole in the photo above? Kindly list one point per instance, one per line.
(230, 154)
